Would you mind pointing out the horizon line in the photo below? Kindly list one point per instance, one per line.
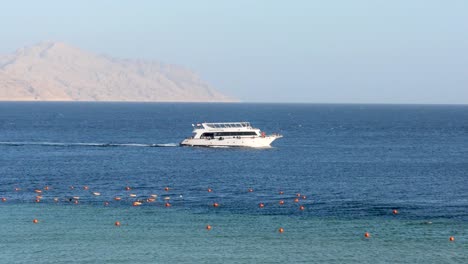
(238, 102)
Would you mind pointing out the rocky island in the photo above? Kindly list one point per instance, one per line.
(55, 71)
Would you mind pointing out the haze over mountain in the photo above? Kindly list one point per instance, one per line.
(54, 71)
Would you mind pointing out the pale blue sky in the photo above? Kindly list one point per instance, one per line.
(363, 51)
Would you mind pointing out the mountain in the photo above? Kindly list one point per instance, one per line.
(54, 71)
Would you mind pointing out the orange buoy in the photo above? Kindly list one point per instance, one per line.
(366, 235)
(215, 204)
(46, 188)
(208, 227)
(38, 191)
(298, 194)
(281, 202)
(117, 223)
(281, 192)
(261, 205)
(106, 203)
(301, 208)
(168, 205)
(127, 188)
(4, 199)
(38, 200)
(296, 200)
(166, 189)
(76, 202)
(210, 190)
(250, 190)
(451, 238)
(136, 203)
(395, 211)
(304, 197)
(281, 230)
(35, 221)
(85, 187)
(117, 198)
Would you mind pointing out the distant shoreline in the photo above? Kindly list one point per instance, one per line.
(234, 102)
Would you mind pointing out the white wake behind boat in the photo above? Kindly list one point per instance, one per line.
(236, 134)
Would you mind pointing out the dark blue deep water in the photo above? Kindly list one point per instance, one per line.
(354, 164)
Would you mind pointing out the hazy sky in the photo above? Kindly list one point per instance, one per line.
(367, 51)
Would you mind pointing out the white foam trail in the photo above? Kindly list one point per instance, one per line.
(165, 145)
(130, 145)
(83, 144)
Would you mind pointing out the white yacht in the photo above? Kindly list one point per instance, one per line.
(237, 134)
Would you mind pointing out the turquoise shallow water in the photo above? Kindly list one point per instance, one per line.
(354, 163)
(153, 234)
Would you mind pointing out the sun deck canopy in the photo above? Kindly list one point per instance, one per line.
(228, 125)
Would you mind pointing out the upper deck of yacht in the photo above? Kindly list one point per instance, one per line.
(230, 125)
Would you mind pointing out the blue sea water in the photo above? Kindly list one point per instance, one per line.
(354, 164)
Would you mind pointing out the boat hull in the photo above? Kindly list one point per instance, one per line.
(250, 142)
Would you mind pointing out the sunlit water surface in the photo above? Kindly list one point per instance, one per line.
(354, 164)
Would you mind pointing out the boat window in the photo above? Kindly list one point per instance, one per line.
(207, 135)
(234, 134)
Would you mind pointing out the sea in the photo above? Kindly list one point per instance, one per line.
(70, 174)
